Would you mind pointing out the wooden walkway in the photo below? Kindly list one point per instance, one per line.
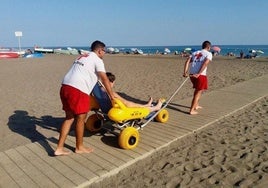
(33, 165)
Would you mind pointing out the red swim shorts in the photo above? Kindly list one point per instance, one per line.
(200, 83)
(73, 100)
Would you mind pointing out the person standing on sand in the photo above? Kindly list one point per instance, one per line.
(196, 65)
(76, 87)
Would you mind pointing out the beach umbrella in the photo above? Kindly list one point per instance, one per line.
(216, 48)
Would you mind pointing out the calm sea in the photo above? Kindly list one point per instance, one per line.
(225, 49)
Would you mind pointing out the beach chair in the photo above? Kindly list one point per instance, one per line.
(118, 119)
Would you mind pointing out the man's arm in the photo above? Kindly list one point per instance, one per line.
(105, 81)
(186, 66)
(205, 64)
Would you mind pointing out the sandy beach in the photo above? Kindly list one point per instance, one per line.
(232, 152)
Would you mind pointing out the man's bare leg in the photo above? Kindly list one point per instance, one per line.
(65, 128)
(80, 123)
(194, 105)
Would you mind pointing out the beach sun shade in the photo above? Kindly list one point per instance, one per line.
(216, 49)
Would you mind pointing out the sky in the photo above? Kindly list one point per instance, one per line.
(133, 22)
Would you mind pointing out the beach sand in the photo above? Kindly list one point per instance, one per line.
(228, 153)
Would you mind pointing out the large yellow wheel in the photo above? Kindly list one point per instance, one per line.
(94, 123)
(162, 116)
(128, 138)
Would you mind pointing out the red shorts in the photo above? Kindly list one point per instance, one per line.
(200, 83)
(73, 100)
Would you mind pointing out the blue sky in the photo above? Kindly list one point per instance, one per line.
(133, 23)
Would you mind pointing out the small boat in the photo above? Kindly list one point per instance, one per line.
(83, 52)
(33, 55)
(43, 50)
(112, 50)
(166, 51)
(69, 51)
(136, 51)
(9, 54)
(139, 51)
(116, 50)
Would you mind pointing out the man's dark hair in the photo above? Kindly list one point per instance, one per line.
(110, 76)
(96, 45)
(206, 44)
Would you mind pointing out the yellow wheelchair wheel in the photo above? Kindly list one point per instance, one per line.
(128, 138)
(94, 123)
(162, 116)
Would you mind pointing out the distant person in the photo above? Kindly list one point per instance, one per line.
(241, 54)
(76, 87)
(196, 65)
(130, 104)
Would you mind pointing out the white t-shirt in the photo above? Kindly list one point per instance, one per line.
(83, 73)
(198, 58)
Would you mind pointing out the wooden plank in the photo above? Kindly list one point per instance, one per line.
(161, 132)
(116, 161)
(61, 167)
(5, 179)
(17, 174)
(28, 168)
(126, 154)
(110, 151)
(41, 165)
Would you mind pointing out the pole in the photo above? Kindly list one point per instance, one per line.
(18, 34)
(19, 44)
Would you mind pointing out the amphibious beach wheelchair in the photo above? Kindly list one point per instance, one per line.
(118, 119)
(124, 122)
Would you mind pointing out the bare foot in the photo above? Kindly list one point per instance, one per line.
(193, 112)
(83, 150)
(158, 106)
(198, 107)
(61, 152)
(150, 102)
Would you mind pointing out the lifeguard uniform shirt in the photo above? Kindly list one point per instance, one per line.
(198, 58)
(83, 73)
